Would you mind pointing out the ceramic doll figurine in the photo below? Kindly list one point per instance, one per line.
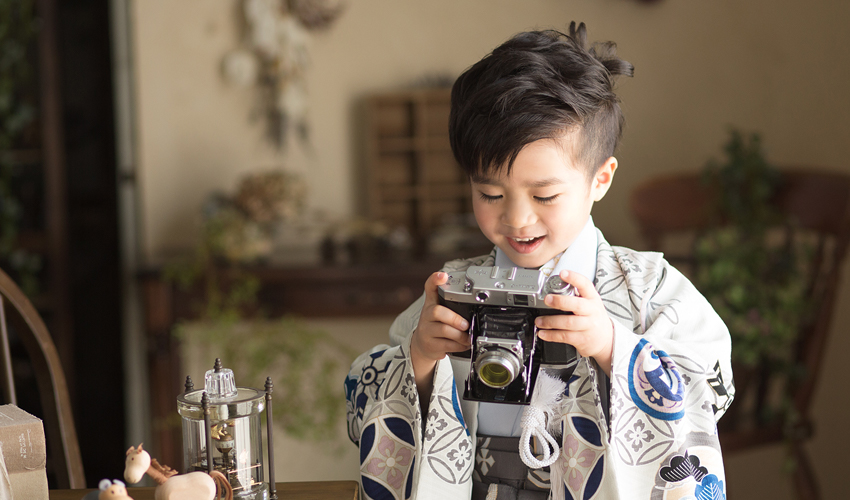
(191, 486)
(109, 490)
(112, 490)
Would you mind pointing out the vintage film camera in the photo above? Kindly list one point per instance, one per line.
(506, 355)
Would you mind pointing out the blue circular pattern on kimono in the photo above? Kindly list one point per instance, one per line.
(655, 384)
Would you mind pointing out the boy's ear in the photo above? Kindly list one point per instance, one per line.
(603, 178)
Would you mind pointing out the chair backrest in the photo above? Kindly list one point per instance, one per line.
(817, 201)
(17, 312)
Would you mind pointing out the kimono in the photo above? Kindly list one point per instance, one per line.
(670, 382)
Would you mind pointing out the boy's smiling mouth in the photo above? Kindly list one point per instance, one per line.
(525, 245)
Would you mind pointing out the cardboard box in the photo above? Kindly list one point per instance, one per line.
(24, 453)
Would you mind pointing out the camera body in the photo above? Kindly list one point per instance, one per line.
(500, 305)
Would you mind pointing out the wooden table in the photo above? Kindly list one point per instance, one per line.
(324, 490)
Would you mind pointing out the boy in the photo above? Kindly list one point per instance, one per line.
(535, 125)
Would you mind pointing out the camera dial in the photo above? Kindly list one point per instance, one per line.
(557, 286)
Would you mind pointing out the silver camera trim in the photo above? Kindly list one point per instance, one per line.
(503, 286)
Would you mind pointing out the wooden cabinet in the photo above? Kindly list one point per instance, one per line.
(413, 178)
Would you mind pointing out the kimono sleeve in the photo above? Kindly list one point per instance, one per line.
(672, 351)
(402, 454)
(369, 371)
(671, 376)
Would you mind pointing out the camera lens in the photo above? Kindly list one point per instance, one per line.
(497, 368)
(495, 375)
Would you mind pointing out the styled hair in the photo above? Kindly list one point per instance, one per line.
(538, 85)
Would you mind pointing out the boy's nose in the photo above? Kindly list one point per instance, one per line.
(518, 215)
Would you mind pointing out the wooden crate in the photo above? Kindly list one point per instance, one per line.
(413, 178)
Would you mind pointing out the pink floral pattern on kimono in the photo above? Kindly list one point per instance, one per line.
(578, 462)
(391, 462)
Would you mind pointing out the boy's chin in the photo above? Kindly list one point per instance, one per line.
(529, 261)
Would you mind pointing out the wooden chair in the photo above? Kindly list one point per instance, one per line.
(819, 204)
(17, 312)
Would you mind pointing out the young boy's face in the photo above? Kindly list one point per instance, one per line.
(538, 210)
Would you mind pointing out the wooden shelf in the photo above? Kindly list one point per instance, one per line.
(413, 178)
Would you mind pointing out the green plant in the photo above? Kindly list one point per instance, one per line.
(17, 31)
(227, 290)
(747, 266)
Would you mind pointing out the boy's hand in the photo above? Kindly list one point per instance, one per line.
(440, 331)
(588, 329)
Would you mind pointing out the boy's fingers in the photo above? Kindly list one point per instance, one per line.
(583, 285)
(442, 338)
(561, 322)
(431, 284)
(449, 346)
(457, 336)
(436, 348)
(575, 305)
(564, 337)
(450, 318)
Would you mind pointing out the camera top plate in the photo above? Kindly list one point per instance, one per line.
(502, 286)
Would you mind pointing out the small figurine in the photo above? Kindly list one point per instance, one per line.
(191, 486)
(114, 490)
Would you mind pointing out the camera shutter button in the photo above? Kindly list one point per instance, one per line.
(556, 285)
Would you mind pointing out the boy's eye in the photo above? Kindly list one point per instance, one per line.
(546, 199)
(489, 198)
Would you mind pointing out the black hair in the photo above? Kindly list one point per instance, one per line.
(538, 85)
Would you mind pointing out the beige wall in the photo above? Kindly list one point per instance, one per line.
(774, 66)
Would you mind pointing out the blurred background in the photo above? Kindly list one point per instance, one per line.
(148, 116)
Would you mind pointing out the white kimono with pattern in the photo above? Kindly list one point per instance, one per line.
(671, 380)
